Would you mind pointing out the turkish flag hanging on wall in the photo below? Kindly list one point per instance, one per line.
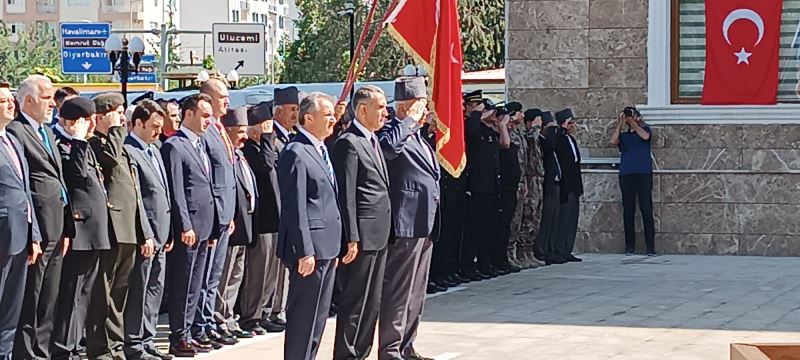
(429, 30)
(742, 43)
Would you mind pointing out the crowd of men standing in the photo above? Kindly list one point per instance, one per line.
(108, 211)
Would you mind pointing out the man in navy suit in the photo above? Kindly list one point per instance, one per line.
(220, 152)
(310, 232)
(148, 275)
(414, 179)
(18, 226)
(193, 219)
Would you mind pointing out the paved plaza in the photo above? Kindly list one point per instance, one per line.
(608, 307)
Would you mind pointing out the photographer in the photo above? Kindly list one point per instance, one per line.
(635, 177)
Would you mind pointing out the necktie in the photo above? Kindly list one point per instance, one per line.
(203, 157)
(377, 151)
(156, 164)
(325, 157)
(248, 180)
(226, 140)
(46, 142)
(425, 148)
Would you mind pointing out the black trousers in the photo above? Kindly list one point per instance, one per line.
(13, 269)
(36, 319)
(359, 286)
(307, 310)
(105, 332)
(447, 250)
(567, 226)
(80, 271)
(508, 205)
(548, 228)
(481, 236)
(185, 273)
(633, 187)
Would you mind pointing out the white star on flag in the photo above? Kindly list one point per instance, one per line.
(743, 57)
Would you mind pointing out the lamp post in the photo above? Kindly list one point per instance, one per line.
(120, 52)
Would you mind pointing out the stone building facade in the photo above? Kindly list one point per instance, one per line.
(727, 179)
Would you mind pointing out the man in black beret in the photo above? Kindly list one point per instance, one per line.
(262, 266)
(571, 187)
(511, 187)
(90, 211)
(105, 335)
(235, 123)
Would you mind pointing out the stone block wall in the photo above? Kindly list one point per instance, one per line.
(719, 189)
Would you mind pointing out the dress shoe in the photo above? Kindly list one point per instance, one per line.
(573, 258)
(457, 278)
(433, 288)
(202, 344)
(417, 356)
(441, 283)
(277, 320)
(272, 327)
(158, 354)
(183, 349)
(242, 334)
(555, 261)
(511, 268)
(448, 283)
(486, 276)
(255, 329)
(223, 338)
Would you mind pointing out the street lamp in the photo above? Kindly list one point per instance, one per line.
(350, 11)
(120, 52)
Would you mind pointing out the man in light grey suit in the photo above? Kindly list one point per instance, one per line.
(414, 179)
(147, 278)
(18, 226)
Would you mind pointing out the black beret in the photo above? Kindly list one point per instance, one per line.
(76, 108)
(149, 95)
(235, 117)
(547, 117)
(107, 102)
(287, 96)
(532, 114)
(563, 115)
(513, 106)
(475, 96)
(259, 113)
(410, 88)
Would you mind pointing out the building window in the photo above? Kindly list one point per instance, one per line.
(235, 15)
(264, 18)
(280, 22)
(79, 2)
(689, 51)
(156, 2)
(255, 17)
(280, 2)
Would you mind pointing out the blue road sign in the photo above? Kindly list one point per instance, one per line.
(147, 71)
(83, 48)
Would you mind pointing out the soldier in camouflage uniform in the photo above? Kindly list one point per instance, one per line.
(517, 136)
(527, 251)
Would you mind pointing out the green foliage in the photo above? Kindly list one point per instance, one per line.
(208, 62)
(322, 52)
(32, 52)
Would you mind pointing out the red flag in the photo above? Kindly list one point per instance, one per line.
(742, 43)
(429, 30)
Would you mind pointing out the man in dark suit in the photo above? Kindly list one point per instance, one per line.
(147, 277)
(235, 122)
(19, 228)
(105, 335)
(286, 104)
(221, 155)
(549, 139)
(50, 202)
(90, 209)
(414, 179)
(193, 220)
(569, 156)
(310, 235)
(366, 209)
(261, 264)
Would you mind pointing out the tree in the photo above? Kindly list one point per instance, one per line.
(322, 51)
(27, 53)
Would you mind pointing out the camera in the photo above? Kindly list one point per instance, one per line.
(631, 111)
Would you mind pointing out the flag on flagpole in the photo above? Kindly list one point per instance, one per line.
(429, 30)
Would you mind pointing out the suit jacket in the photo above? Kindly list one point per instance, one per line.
(15, 203)
(280, 140)
(88, 199)
(413, 178)
(154, 191)
(190, 186)
(262, 158)
(549, 139)
(310, 221)
(46, 181)
(223, 177)
(124, 200)
(571, 178)
(363, 190)
(243, 218)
